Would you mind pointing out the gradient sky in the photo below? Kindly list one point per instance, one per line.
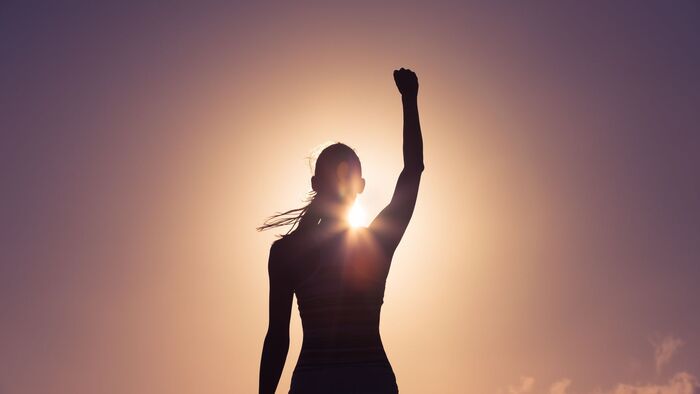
(556, 239)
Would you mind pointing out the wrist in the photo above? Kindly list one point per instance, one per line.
(409, 98)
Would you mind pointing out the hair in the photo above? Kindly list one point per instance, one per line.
(309, 215)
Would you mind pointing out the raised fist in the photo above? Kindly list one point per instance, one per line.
(407, 82)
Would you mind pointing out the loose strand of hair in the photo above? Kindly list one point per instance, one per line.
(293, 217)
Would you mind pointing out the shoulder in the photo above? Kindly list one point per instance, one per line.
(279, 246)
(379, 240)
(276, 253)
(282, 251)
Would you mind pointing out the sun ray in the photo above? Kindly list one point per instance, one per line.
(357, 216)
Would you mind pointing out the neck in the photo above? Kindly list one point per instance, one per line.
(333, 220)
(333, 215)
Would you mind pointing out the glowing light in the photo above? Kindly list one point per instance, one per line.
(357, 216)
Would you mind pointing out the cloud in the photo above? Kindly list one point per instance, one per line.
(525, 386)
(680, 383)
(664, 350)
(560, 386)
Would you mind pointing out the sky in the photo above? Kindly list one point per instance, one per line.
(556, 239)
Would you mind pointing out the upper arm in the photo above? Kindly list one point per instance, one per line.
(391, 223)
(281, 292)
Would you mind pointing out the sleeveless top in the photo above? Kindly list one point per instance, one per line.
(339, 283)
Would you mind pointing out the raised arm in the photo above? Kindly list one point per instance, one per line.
(276, 343)
(390, 225)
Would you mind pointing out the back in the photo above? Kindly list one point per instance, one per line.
(339, 280)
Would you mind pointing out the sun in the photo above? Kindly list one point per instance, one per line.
(357, 216)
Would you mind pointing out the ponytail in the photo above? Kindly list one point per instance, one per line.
(299, 218)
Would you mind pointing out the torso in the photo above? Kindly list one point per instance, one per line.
(339, 280)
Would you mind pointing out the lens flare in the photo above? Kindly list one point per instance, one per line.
(357, 216)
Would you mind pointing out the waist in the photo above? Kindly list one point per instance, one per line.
(347, 378)
(320, 356)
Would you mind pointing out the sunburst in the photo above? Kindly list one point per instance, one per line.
(357, 216)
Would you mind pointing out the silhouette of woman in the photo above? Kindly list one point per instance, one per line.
(339, 273)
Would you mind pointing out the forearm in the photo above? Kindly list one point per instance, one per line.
(412, 138)
(274, 355)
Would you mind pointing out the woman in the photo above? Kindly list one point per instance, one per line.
(339, 273)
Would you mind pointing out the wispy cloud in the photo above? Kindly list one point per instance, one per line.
(680, 383)
(664, 350)
(560, 386)
(527, 383)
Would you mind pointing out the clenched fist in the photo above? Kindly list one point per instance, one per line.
(407, 82)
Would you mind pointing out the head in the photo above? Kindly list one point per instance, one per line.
(337, 178)
(336, 182)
